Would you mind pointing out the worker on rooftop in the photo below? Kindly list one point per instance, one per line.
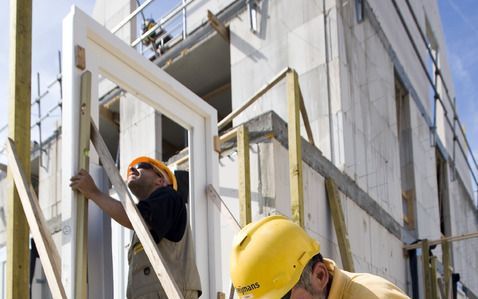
(275, 258)
(164, 211)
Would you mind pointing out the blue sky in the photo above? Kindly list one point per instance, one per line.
(459, 19)
(460, 24)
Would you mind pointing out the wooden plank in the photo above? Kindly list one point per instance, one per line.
(252, 99)
(441, 288)
(81, 252)
(231, 134)
(222, 30)
(305, 119)
(409, 216)
(295, 149)
(49, 257)
(139, 226)
(433, 277)
(426, 269)
(244, 175)
(447, 269)
(339, 224)
(17, 265)
(440, 241)
(80, 57)
(223, 209)
(221, 295)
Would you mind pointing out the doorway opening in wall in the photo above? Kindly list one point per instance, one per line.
(443, 199)
(405, 141)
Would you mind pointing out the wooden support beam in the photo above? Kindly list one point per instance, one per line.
(222, 30)
(339, 224)
(219, 90)
(81, 255)
(227, 136)
(447, 269)
(19, 130)
(426, 269)
(440, 241)
(139, 226)
(244, 175)
(441, 288)
(49, 257)
(223, 209)
(433, 277)
(305, 119)
(295, 149)
(409, 216)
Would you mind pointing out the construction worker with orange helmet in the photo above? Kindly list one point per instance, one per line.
(164, 211)
(275, 258)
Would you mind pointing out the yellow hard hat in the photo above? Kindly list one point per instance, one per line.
(160, 166)
(268, 257)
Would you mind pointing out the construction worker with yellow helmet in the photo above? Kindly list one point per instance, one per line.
(165, 213)
(275, 258)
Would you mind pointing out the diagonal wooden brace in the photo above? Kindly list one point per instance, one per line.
(47, 250)
(139, 226)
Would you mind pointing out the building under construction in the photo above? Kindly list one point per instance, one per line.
(339, 114)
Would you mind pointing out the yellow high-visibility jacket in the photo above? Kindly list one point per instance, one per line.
(360, 285)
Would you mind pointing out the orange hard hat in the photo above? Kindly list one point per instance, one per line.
(159, 166)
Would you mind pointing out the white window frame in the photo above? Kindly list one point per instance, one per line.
(109, 57)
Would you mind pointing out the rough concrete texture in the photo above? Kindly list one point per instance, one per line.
(111, 13)
(428, 17)
(140, 126)
(286, 37)
(465, 254)
(196, 12)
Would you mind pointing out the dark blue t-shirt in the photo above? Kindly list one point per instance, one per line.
(165, 213)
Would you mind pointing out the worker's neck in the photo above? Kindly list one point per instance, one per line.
(143, 194)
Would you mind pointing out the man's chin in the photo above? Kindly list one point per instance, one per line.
(131, 183)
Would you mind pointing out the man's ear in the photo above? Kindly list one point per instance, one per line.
(320, 276)
(160, 181)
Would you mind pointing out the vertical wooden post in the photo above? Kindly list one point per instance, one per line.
(426, 269)
(295, 149)
(244, 175)
(19, 131)
(433, 277)
(447, 269)
(339, 225)
(81, 256)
